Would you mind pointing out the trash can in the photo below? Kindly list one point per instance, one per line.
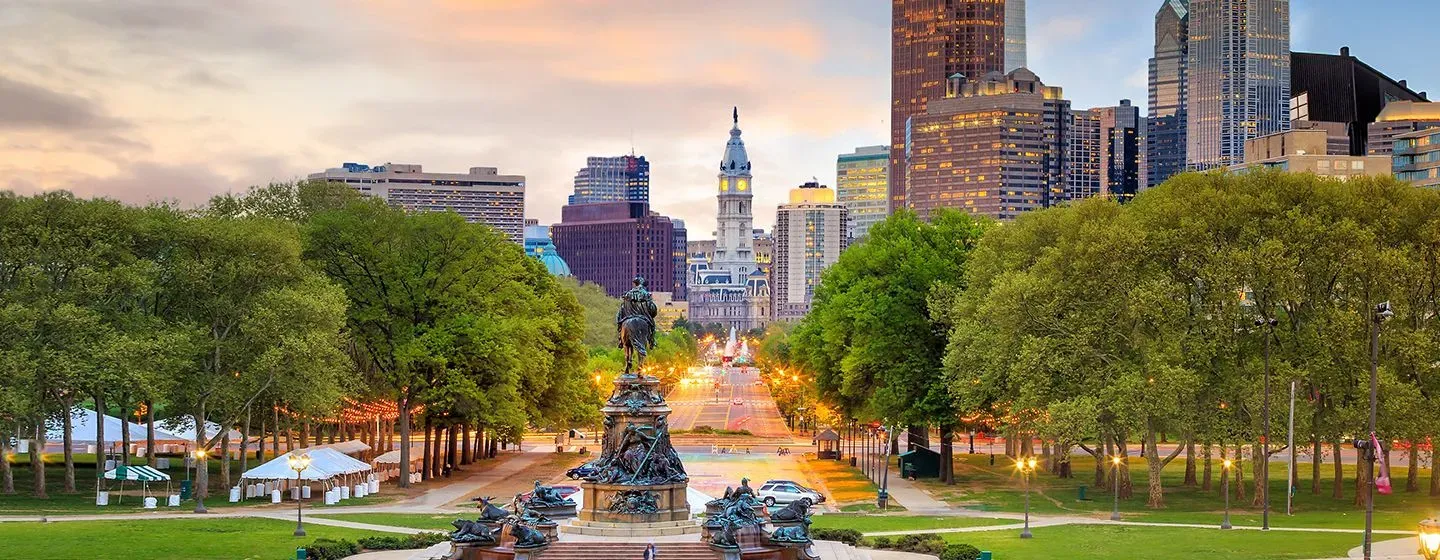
(185, 489)
(1082, 494)
(301, 553)
(852, 460)
(985, 555)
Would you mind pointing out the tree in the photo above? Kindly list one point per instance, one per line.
(599, 310)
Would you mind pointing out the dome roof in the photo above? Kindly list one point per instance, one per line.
(736, 161)
(551, 259)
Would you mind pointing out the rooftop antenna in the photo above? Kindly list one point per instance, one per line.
(632, 141)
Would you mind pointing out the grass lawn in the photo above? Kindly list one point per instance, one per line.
(847, 485)
(438, 522)
(263, 539)
(878, 523)
(984, 487)
(1094, 542)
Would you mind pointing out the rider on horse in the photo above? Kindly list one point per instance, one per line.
(636, 304)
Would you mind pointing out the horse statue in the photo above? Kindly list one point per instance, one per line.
(635, 325)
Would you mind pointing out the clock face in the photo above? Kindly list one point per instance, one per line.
(742, 184)
(722, 185)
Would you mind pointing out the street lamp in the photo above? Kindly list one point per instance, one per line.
(1381, 313)
(1115, 474)
(199, 490)
(297, 464)
(1226, 465)
(883, 496)
(1026, 466)
(1430, 539)
(1265, 429)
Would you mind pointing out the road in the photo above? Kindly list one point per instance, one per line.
(707, 403)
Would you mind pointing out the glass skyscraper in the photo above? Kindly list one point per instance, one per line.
(1237, 78)
(612, 179)
(1165, 124)
(861, 180)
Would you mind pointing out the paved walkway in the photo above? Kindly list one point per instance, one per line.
(450, 494)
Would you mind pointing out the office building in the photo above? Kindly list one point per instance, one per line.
(810, 234)
(481, 196)
(994, 147)
(932, 40)
(730, 288)
(539, 245)
(679, 251)
(612, 179)
(669, 309)
(1397, 118)
(764, 251)
(1305, 151)
(1237, 76)
(1165, 120)
(1417, 158)
(1104, 157)
(861, 184)
(609, 243)
(1342, 95)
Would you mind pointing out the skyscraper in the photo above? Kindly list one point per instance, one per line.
(861, 184)
(1237, 78)
(1342, 95)
(994, 147)
(1104, 155)
(1165, 123)
(482, 195)
(608, 243)
(932, 40)
(810, 234)
(731, 289)
(612, 179)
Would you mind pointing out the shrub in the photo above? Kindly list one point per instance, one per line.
(847, 536)
(880, 542)
(328, 549)
(960, 552)
(402, 542)
(925, 543)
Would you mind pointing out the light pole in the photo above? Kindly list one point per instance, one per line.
(1115, 474)
(1226, 465)
(1268, 322)
(883, 496)
(1026, 466)
(297, 464)
(1381, 313)
(1430, 539)
(200, 492)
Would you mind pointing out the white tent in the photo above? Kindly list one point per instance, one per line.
(392, 457)
(325, 464)
(184, 429)
(83, 426)
(350, 447)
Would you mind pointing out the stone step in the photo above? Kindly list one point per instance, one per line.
(608, 524)
(631, 530)
(626, 551)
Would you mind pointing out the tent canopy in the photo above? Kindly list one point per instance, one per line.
(393, 457)
(137, 473)
(324, 464)
(347, 447)
(183, 429)
(83, 428)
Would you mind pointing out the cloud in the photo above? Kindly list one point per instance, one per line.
(28, 106)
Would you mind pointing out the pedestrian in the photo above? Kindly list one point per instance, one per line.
(650, 551)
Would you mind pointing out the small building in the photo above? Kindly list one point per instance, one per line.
(1417, 158)
(827, 445)
(1305, 151)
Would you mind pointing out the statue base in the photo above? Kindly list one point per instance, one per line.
(603, 529)
(556, 512)
(503, 552)
(670, 503)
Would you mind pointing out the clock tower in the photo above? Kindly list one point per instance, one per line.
(734, 234)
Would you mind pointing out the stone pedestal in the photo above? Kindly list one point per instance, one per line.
(604, 503)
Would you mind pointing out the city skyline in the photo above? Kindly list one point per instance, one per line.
(257, 91)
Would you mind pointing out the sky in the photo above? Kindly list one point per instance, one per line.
(179, 100)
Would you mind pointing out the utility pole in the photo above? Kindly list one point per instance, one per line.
(1290, 465)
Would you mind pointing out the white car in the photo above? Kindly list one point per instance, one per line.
(785, 492)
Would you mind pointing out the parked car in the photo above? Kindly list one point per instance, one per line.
(581, 471)
(785, 491)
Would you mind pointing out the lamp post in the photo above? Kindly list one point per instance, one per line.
(1115, 474)
(200, 492)
(1430, 539)
(883, 497)
(1269, 323)
(1026, 467)
(1226, 465)
(1381, 313)
(297, 464)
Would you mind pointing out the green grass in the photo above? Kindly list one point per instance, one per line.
(879, 523)
(439, 522)
(1095, 542)
(982, 487)
(191, 539)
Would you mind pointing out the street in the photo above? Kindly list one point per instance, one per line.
(704, 403)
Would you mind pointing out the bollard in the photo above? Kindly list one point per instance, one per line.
(1082, 494)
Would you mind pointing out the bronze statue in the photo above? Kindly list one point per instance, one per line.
(635, 324)
(489, 512)
(472, 532)
(795, 511)
(526, 536)
(545, 496)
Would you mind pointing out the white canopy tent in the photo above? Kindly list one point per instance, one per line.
(333, 469)
(352, 447)
(183, 427)
(84, 428)
(387, 465)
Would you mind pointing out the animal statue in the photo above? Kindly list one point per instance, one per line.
(725, 536)
(545, 496)
(795, 511)
(490, 512)
(526, 536)
(791, 534)
(472, 532)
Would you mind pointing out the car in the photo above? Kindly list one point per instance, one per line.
(563, 490)
(737, 402)
(583, 471)
(785, 492)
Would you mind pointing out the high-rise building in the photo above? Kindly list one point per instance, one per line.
(1104, 157)
(994, 147)
(481, 196)
(678, 253)
(932, 40)
(1342, 95)
(609, 243)
(810, 234)
(1399, 117)
(1165, 121)
(1304, 151)
(1237, 76)
(730, 288)
(861, 184)
(1417, 158)
(612, 179)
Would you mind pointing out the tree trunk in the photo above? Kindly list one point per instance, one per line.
(305, 433)
(225, 457)
(1317, 456)
(1190, 481)
(1412, 474)
(37, 463)
(68, 438)
(404, 420)
(1337, 490)
(150, 453)
(1363, 473)
(99, 432)
(450, 450)
(1206, 451)
(245, 443)
(202, 470)
(275, 431)
(464, 444)
(1434, 473)
(1102, 452)
(1156, 499)
(124, 432)
(425, 452)
(1257, 472)
(1239, 469)
(7, 475)
(947, 455)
